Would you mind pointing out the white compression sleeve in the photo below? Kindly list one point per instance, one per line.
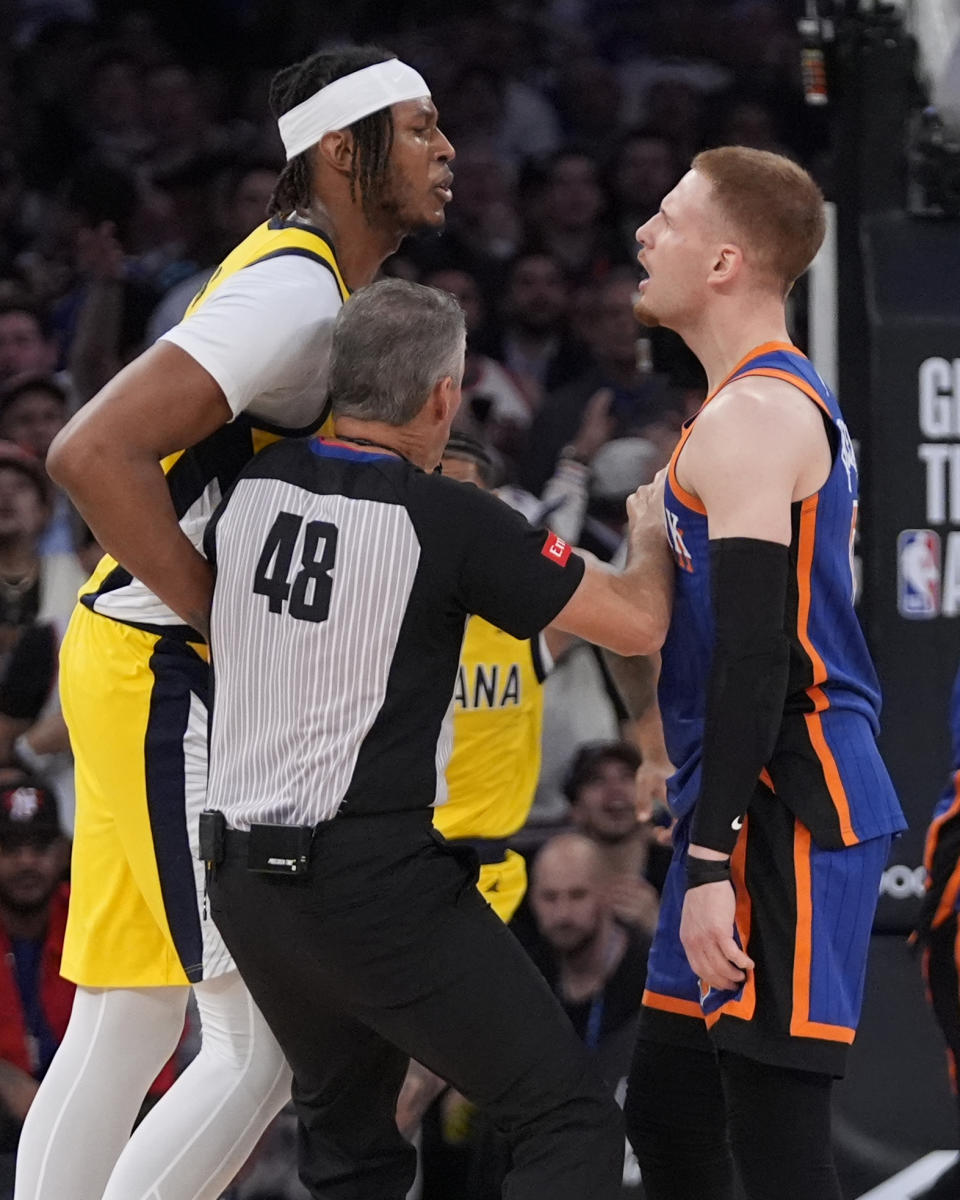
(116, 1043)
(198, 1136)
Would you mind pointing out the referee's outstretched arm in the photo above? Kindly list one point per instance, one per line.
(627, 611)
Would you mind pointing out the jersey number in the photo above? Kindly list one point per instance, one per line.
(309, 594)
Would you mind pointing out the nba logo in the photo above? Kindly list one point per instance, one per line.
(918, 574)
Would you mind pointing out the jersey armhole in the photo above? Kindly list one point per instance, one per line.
(542, 658)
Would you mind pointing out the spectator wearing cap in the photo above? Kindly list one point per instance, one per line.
(601, 788)
(33, 410)
(32, 587)
(35, 1000)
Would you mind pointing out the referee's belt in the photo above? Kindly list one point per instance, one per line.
(488, 850)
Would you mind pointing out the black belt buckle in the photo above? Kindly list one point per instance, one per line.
(279, 849)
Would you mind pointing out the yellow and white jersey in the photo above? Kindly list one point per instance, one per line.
(262, 327)
(497, 720)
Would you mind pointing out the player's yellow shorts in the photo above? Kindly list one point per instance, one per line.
(136, 707)
(503, 884)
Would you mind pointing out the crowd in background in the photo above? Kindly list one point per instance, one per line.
(136, 149)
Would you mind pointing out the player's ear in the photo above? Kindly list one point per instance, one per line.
(726, 264)
(336, 150)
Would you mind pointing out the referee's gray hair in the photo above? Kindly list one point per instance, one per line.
(392, 342)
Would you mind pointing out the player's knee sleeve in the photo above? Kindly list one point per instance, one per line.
(235, 1034)
(130, 1028)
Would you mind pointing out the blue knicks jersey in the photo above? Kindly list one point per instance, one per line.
(826, 767)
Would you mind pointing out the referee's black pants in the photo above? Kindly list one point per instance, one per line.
(384, 951)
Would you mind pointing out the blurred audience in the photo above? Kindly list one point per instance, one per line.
(33, 587)
(496, 408)
(594, 961)
(25, 344)
(602, 790)
(534, 339)
(35, 1000)
(624, 360)
(568, 217)
(33, 410)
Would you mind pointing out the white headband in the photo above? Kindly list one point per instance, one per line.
(348, 99)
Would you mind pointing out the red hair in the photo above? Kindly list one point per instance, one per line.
(773, 204)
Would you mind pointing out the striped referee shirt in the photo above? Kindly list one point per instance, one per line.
(344, 578)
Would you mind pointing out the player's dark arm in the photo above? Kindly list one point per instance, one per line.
(108, 459)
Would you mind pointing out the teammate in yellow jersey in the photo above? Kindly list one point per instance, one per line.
(494, 762)
(146, 462)
(497, 721)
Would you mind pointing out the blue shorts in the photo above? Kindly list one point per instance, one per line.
(804, 915)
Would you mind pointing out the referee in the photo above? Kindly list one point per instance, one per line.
(346, 570)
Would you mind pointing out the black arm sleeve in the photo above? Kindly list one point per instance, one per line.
(748, 682)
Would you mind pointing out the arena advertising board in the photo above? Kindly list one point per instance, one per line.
(910, 539)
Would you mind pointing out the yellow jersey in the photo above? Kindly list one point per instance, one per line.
(497, 721)
(198, 477)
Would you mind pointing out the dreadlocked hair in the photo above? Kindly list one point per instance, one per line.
(372, 135)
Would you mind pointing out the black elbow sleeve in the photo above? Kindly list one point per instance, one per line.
(748, 682)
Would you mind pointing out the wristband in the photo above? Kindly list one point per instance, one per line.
(707, 870)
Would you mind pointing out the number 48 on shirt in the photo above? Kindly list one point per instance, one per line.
(308, 595)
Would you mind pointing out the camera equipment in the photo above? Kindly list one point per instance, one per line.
(934, 158)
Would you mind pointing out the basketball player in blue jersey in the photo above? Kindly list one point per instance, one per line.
(146, 462)
(769, 700)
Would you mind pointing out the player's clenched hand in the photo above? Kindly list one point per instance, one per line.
(706, 931)
(645, 510)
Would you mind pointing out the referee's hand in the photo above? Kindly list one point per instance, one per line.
(706, 931)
